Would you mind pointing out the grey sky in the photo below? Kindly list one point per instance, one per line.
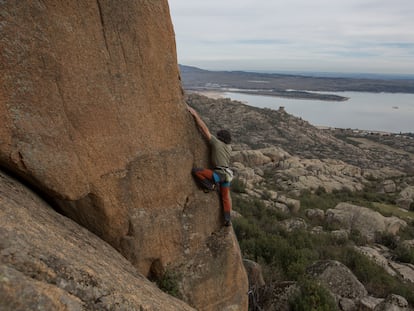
(371, 36)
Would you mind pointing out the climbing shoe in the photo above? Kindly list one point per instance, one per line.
(227, 223)
(207, 185)
(211, 187)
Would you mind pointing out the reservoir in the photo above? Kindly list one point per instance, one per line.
(389, 112)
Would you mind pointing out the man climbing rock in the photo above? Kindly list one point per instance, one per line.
(220, 177)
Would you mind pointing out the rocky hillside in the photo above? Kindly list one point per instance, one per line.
(319, 209)
(260, 128)
(93, 120)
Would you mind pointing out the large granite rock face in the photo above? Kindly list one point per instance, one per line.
(48, 262)
(90, 95)
(92, 116)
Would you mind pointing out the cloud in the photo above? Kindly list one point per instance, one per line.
(280, 33)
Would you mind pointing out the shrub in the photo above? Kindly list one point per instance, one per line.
(320, 190)
(238, 185)
(369, 198)
(288, 254)
(241, 205)
(407, 233)
(387, 239)
(404, 254)
(322, 200)
(312, 297)
(356, 236)
(266, 195)
(168, 283)
(375, 279)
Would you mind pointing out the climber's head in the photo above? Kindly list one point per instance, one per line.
(224, 136)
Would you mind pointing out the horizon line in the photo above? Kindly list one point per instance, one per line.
(331, 74)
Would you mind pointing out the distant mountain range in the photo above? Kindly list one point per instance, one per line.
(287, 85)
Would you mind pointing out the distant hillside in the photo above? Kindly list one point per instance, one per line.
(282, 84)
(261, 128)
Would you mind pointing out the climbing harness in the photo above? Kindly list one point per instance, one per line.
(227, 172)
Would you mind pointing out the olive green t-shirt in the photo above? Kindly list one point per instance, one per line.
(220, 152)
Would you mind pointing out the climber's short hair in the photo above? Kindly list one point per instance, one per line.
(224, 136)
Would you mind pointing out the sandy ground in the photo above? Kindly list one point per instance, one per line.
(211, 94)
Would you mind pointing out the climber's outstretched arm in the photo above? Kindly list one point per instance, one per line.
(200, 123)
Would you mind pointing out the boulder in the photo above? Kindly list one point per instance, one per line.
(388, 186)
(405, 270)
(247, 175)
(294, 173)
(340, 235)
(315, 214)
(346, 304)
(293, 204)
(254, 273)
(283, 208)
(251, 158)
(293, 224)
(275, 154)
(259, 171)
(317, 230)
(408, 244)
(273, 195)
(382, 256)
(337, 279)
(381, 173)
(277, 296)
(393, 303)
(369, 303)
(93, 117)
(363, 220)
(406, 198)
(376, 254)
(49, 262)
(234, 214)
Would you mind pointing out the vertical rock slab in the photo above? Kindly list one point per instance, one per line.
(92, 116)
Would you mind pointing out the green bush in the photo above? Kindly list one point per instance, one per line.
(371, 275)
(323, 200)
(387, 239)
(287, 254)
(168, 283)
(356, 236)
(404, 254)
(238, 185)
(256, 211)
(375, 279)
(407, 233)
(312, 297)
(320, 190)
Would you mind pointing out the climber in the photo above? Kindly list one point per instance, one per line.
(220, 177)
